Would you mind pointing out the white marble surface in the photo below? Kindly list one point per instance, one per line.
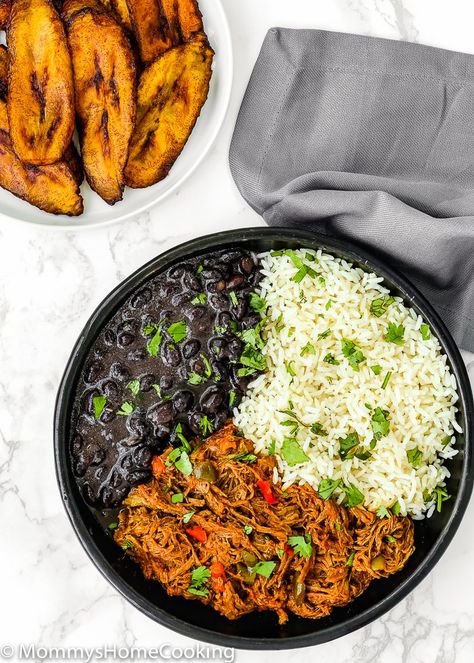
(51, 280)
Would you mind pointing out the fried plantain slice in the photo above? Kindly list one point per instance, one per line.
(104, 79)
(40, 85)
(5, 7)
(3, 73)
(162, 24)
(171, 94)
(52, 188)
(121, 9)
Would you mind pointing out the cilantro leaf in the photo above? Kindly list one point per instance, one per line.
(257, 303)
(353, 495)
(382, 512)
(415, 456)
(195, 378)
(206, 425)
(178, 331)
(377, 369)
(324, 334)
(317, 429)
(183, 464)
(301, 545)
(380, 423)
(126, 409)
(308, 349)
(187, 517)
(327, 488)
(199, 579)
(248, 529)
(425, 332)
(331, 359)
(153, 345)
(348, 445)
(395, 333)
(134, 387)
(177, 497)
(380, 305)
(99, 403)
(200, 298)
(264, 569)
(354, 356)
(292, 452)
(233, 299)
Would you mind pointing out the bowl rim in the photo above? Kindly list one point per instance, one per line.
(116, 298)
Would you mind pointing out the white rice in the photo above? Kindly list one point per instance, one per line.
(420, 395)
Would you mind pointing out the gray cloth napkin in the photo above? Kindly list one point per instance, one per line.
(371, 140)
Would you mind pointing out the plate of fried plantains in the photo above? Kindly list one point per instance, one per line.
(106, 106)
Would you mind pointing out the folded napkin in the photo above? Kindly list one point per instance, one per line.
(371, 140)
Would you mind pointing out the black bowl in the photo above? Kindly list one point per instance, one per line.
(261, 631)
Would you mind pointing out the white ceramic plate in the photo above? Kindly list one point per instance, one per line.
(96, 211)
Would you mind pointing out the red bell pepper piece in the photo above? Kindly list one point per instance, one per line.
(157, 466)
(266, 489)
(217, 569)
(197, 533)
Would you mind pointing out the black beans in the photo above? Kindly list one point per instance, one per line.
(120, 372)
(212, 399)
(191, 348)
(93, 372)
(170, 354)
(161, 413)
(152, 381)
(182, 401)
(141, 298)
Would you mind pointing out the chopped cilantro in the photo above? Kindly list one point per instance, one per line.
(232, 397)
(390, 539)
(380, 305)
(181, 438)
(395, 333)
(396, 508)
(301, 545)
(157, 388)
(257, 303)
(415, 456)
(331, 359)
(353, 495)
(324, 334)
(354, 356)
(446, 440)
(134, 387)
(425, 332)
(292, 453)
(154, 344)
(199, 579)
(187, 517)
(199, 269)
(317, 429)
(99, 403)
(252, 358)
(271, 448)
(328, 304)
(290, 369)
(441, 496)
(264, 569)
(233, 299)
(308, 349)
(327, 487)
(113, 525)
(245, 458)
(207, 366)
(178, 331)
(348, 445)
(377, 369)
(386, 379)
(201, 298)
(382, 512)
(380, 423)
(244, 372)
(177, 497)
(206, 425)
(126, 545)
(183, 464)
(350, 559)
(126, 409)
(195, 378)
(248, 529)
